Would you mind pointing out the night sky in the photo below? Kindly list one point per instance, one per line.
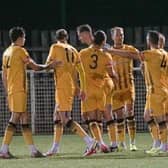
(51, 14)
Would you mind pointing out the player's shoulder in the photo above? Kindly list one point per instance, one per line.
(22, 49)
(129, 47)
(152, 52)
(71, 47)
(106, 54)
(57, 45)
(63, 45)
(147, 51)
(18, 49)
(85, 50)
(14, 50)
(163, 51)
(7, 50)
(156, 51)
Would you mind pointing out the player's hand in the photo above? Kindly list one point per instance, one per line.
(82, 95)
(55, 63)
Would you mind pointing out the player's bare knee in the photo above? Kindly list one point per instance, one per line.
(130, 113)
(56, 116)
(147, 116)
(120, 117)
(92, 115)
(12, 126)
(99, 115)
(69, 123)
(129, 107)
(108, 108)
(108, 115)
(57, 122)
(25, 127)
(129, 110)
(84, 116)
(119, 113)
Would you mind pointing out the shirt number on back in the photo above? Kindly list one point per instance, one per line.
(69, 55)
(93, 65)
(163, 62)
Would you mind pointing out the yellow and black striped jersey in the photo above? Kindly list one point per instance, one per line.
(124, 68)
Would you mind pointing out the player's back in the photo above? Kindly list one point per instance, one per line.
(69, 57)
(95, 63)
(165, 60)
(15, 68)
(156, 67)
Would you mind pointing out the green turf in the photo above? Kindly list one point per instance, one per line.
(71, 151)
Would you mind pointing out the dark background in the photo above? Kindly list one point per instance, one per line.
(49, 14)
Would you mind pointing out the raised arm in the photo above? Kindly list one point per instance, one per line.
(124, 53)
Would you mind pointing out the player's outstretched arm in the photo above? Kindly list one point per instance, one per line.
(38, 67)
(123, 53)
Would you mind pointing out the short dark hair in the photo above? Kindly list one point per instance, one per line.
(99, 37)
(61, 34)
(15, 33)
(153, 36)
(84, 28)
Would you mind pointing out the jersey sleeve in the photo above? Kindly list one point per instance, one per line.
(24, 55)
(3, 62)
(81, 55)
(77, 56)
(108, 61)
(131, 48)
(51, 55)
(145, 55)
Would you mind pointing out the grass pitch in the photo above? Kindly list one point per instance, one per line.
(71, 151)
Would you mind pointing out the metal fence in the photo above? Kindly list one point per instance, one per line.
(41, 103)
